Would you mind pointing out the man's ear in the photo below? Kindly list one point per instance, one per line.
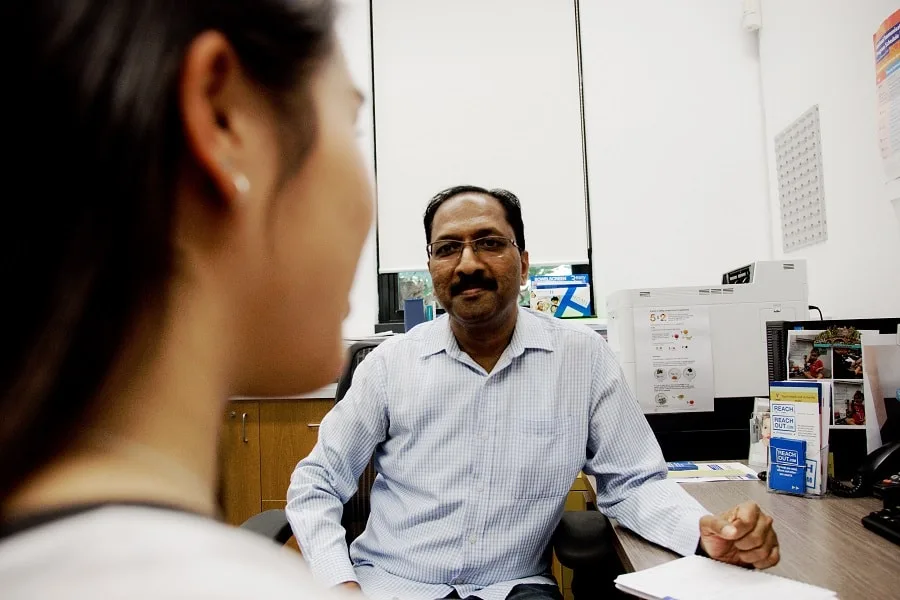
(525, 264)
(209, 100)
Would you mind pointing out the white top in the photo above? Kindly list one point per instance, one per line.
(138, 553)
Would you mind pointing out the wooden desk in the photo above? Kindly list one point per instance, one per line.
(822, 540)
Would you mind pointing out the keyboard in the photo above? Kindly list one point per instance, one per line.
(885, 523)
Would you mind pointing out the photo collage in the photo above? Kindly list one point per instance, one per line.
(835, 356)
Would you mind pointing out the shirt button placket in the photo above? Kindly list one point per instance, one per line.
(484, 461)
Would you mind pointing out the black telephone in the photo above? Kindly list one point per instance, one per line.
(880, 464)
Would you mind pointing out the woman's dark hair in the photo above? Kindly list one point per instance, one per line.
(95, 139)
(510, 203)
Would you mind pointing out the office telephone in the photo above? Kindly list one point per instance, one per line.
(876, 470)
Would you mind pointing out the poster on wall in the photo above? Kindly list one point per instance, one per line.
(561, 295)
(886, 42)
(673, 356)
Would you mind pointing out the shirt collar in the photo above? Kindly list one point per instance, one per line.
(440, 338)
(531, 332)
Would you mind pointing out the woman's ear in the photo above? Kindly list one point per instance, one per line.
(212, 93)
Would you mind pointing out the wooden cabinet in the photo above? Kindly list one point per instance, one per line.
(262, 441)
(240, 465)
(288, 431)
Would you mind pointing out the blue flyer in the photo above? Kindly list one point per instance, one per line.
(787, 465)
(682, 466)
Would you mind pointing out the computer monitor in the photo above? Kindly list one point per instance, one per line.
(723, 434)
(777, 337)
(777, 347)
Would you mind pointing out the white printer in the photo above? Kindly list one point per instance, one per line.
(738, 310)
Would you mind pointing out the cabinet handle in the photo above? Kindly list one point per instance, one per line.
(313, 425)
(244, 427)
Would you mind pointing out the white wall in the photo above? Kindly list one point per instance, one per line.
(678, 145)
(820, 52)
(676, 156)
(353, 31)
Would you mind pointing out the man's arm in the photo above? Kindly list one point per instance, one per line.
(624, 456)
(329, 476)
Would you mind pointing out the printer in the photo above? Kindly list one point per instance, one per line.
(738, 308)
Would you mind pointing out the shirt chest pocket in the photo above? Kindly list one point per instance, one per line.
(544, 457)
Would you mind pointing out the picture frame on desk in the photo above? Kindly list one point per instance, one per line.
(760, 434)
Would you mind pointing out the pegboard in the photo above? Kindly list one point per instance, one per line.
(798, 155)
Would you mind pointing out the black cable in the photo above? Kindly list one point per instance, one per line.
(843, 490)
(811, 307)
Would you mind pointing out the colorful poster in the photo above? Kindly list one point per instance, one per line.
(561, 295)
(673, 356)
(887, 80)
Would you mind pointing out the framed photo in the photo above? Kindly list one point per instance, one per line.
(847, 361)
(848, 404)
(807, 358)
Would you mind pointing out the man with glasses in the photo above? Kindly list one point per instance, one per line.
(479, 421)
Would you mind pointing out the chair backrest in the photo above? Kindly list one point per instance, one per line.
(357, 352)
(356, 510)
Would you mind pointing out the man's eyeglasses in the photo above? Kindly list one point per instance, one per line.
(490, 246)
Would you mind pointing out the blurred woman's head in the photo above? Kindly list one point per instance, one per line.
(185, 174)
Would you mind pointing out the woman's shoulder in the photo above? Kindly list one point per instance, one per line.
(143, 552)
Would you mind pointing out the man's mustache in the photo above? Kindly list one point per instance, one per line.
(472, 282)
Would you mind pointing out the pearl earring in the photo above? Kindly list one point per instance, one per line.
(240, 181)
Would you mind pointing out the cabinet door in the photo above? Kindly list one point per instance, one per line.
(288, 431)
(240, 478)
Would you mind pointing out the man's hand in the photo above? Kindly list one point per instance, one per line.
(740, 536)
(350, 586)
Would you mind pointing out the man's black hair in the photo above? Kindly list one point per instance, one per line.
(510, 203)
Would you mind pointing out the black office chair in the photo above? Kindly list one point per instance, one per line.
(356, 509)
(582, 540)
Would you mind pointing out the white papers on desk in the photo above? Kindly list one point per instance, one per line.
(714, 471)
(699, 578)
(349, 341)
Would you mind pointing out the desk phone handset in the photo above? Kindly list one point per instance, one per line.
(878, 466)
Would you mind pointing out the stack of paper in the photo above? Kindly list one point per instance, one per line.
(699, 578)
(697, 472)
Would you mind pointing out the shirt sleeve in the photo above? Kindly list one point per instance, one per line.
(323, 481)
(625, 458)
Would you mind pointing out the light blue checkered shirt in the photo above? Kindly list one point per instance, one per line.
(474, 467)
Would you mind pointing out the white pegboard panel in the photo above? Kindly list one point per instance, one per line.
(798, 154)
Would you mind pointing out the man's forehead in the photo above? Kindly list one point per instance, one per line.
(470, 210)
(472, 201)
